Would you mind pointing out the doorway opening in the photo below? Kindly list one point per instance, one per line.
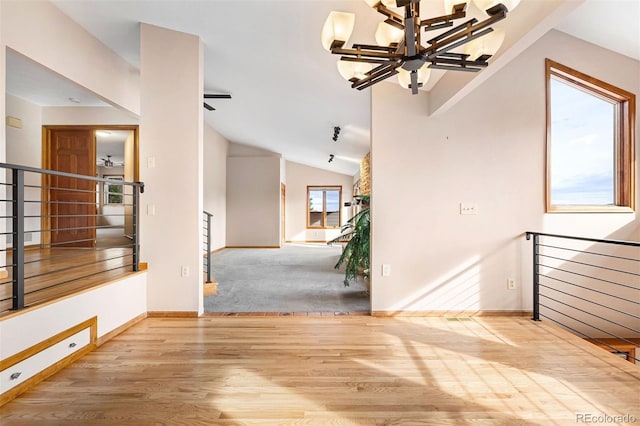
(106, 152)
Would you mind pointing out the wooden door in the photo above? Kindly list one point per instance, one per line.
(72, 202)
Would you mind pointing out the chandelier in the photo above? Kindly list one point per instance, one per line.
(400, 49)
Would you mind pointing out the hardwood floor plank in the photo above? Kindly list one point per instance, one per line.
(335, 370)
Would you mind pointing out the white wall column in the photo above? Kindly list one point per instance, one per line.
(3, 144)
(171, 151)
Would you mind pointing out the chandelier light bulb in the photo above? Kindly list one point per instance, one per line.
(486, 45)
(404, 76)
(350, 69)
(483, 5)
(388, 34)
(337, 27)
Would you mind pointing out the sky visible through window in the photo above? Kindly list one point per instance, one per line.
(333, 201)
(582, 147)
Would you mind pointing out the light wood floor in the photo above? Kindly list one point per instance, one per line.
(56, 272)
(335, 371)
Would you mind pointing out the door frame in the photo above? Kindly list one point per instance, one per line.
(45, 220)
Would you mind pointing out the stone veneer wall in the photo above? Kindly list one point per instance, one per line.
(365, 175)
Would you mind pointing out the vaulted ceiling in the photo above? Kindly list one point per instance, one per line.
(287, 93)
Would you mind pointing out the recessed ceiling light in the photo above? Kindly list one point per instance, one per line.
(74, 100)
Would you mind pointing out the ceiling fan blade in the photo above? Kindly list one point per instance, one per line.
(215, 96)
(208, 107)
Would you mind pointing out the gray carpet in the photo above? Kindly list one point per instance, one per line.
(295, 278)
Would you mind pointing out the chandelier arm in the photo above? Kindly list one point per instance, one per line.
(373, 47)
(392, 18)
(377, 74)
(499, 15)
(360, 53)
(400, 49)
(364, 83)
(410, 30)
(414, 82)
(445, 20)
(452, 42)
(416, 29)
(382, 61)
(453, 68)
(462, 62)
(462, 28)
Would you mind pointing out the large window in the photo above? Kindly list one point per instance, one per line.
(590, 137)
(323, 206)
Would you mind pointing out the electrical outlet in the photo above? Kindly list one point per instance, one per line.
(151, 209)
(184, 271)
(468, 208)
(386, 270)
(151, 162)
(511, 284)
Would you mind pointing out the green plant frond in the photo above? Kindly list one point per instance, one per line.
(357, 235)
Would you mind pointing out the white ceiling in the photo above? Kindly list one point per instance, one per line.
(614, 25)
(111, 142)
(287, 93)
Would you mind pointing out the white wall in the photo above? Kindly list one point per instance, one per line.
(23, 147)
(171, 132)
(253, 201)
(87, 115)
(38, 30)
(299, 177)
(487, 149)
(3, 207)
(114, 304)
(215, 184)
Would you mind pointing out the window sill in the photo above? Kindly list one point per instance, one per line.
(589, 209)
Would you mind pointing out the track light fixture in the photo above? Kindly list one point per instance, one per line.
(331, 157)
(400, 48)
(336, 133)
(214, 96)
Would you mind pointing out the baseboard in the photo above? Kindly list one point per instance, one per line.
(218, 250)
(253, 247)
(172, 314)
(306, 241)
(113, 333)
(451, 313)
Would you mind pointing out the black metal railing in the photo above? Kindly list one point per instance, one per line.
(62, 232)
(207, 228)
(590, 287)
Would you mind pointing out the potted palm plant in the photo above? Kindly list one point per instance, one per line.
(356, 235)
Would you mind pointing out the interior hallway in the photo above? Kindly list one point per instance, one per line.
(294, 279)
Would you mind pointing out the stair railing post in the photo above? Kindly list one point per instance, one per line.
(136, 228)
(18, 238)
(536, 278)
(209, 216)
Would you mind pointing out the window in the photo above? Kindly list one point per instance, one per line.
(323, 206)
(113, 191)
(590, 137)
